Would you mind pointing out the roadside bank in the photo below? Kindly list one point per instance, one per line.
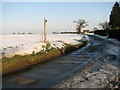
(17, 62)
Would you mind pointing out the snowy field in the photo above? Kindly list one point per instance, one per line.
(25, 44)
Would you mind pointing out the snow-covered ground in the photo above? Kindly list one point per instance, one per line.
(25, 44)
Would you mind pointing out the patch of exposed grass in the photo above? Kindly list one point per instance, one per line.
(10, 47)
(4, 48)
(3, 54)
(43, 46)
(69, 45)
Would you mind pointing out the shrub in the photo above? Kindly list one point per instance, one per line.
(114, 34)
(110, 33)
(101, 32)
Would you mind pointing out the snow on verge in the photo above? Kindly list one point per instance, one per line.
(26, 44)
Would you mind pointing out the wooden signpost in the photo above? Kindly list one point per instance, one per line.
(45, 30)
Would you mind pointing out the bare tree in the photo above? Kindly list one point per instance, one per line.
(81, 23)
(104, 25)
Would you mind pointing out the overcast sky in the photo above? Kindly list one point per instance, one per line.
(28, 16)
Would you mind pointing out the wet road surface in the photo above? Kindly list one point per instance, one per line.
(48, 74)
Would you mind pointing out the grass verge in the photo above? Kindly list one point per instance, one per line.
(18, 62)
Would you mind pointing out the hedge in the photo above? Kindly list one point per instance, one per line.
(109, 33)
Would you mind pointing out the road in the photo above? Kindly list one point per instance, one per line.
(51, 73)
